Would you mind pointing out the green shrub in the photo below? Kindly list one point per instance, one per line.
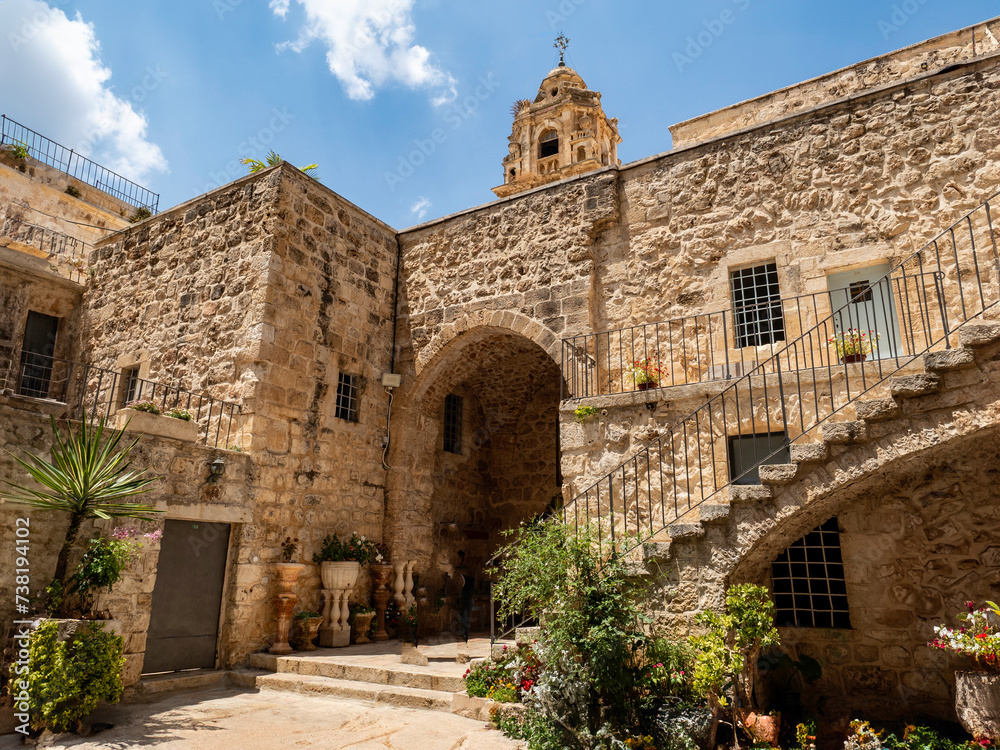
(598, 680)
(67, 679)
(140, 214)
(583, 413)
(178, 413)
(102, 566)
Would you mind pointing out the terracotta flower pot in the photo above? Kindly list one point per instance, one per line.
(763, 727)
(288, 574)
(848, 359)
(977, 703)
(647, 386)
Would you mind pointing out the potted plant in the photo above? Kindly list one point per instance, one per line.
(726, 659)
(340, 562)
(645, 373)
(362, 616)
(145, 415)
(977, 692)
(306, 630)
(288, 571)
(854, 345)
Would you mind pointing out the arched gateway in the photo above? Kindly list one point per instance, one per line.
(474, 452)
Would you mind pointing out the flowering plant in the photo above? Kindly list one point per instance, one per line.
(179, 413)
(980, 638)
(143, 404)
(507, 676)
(288, 548)
(645, 371)
(357, 548)
(853, 342)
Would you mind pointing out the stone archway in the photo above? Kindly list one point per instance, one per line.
(446, 510)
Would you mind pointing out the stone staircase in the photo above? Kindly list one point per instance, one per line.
(950, 378)
(376, 672)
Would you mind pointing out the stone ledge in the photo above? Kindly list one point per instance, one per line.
(876, 409)
(908, 386)
(778, 474)
(842, 433)
(808, 453)
(949, 359)
(979, 334)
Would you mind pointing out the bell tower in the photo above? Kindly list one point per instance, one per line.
(562, 133)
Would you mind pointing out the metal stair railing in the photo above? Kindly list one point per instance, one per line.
(93, 393)
(786, 398)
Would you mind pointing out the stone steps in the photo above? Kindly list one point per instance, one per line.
(377, 675)
(836, 437)
(395, 695)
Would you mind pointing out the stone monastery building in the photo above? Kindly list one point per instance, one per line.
(421, 387)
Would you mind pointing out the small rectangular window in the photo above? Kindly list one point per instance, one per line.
(748, 452)
(860, 291)
(129, 385)
(453, 423)
(808, 582)
(347, 397)
(757, 306)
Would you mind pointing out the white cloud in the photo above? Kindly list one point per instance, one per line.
(420, 207)
(370, 43)
(61, 89)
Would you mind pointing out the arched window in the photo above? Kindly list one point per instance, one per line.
(581, 154)
(549, 144)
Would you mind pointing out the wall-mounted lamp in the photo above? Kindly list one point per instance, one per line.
(217, 468)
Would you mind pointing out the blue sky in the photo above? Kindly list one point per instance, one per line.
(174, 94)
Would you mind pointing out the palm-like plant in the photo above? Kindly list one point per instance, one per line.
(273, 160)
(86, 479)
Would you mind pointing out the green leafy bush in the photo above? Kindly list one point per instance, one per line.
(583, 413)
(67, 679)
(102, 565)
(603, 672)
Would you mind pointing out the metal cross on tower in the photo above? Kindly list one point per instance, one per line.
(561, 44)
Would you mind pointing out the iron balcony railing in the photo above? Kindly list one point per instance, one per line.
(96, 393)
(727, 344)
(787, 397)
(55, 245)
(67, 160)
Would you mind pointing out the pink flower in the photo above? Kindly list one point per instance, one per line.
(154, 536)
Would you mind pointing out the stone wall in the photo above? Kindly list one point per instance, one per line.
(182, 294)
(915, 552)
(181, 491)
(909, 62)
(864, 181)
(27, 284)
(263, 292)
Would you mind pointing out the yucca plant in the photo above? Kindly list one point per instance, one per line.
(273, 160)
(88, 477)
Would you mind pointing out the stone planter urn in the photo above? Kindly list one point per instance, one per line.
(288, 574)
(977, 703)
(305, 631)
(362, 623)
(339, 579)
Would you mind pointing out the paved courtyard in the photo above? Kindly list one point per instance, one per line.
(231, 718)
